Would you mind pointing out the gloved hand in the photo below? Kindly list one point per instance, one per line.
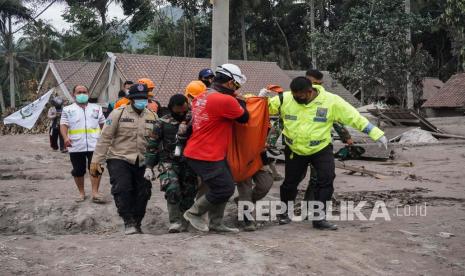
(182, 129)
(148, 174)
(264, 92)
(382, 142)
(96, 169)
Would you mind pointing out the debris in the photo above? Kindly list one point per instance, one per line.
(118, 268)
(361, 170)
(362, 151)
(445, 235)
(365, 228)
(190, 238)
(400, 164)
(414, 177)
(266, 249)
(6, 176)
(408, 233)
(417, 135)
(395, 262)
(445, 135)
(406, 117)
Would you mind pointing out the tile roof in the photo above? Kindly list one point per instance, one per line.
(431, 87)
(76, 72)
(330, 85)
(452, 94)
(172, 74)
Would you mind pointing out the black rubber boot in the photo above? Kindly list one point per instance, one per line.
(324, 225)
(284, 219)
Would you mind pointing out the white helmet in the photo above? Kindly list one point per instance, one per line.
(232, 71)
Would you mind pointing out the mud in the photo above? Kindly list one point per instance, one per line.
(44, 232)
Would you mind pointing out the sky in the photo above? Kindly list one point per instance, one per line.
(54, 12)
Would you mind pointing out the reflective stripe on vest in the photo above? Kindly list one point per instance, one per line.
(83, 131)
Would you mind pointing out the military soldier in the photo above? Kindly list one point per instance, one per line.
(164, 148)
(123, 143)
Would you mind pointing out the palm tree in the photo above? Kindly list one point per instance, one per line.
(40, 42)
(11, 10)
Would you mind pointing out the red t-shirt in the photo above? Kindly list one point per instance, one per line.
(213, 116)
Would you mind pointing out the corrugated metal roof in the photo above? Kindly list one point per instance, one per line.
(331, 85)
(172, 74)
(452, 94)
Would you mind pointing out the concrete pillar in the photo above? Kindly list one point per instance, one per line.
(220, 32)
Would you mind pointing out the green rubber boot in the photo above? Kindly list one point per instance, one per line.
(216, 219)
(174, 215)
(194, 214)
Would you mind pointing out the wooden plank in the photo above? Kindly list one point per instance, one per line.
(362, 170)
(445, 135)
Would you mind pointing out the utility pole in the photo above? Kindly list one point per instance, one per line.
(312, 28)
(184, 35)
(2, 101)
(220, 32)
(410, 101)
(11, 64)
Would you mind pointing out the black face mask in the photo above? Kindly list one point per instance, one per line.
(206, 82)
(178, 117)
(301, 101)
(223, 89)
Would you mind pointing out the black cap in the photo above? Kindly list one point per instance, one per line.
(138, 91)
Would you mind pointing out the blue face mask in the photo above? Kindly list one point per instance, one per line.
(140, 103)
(82, 98)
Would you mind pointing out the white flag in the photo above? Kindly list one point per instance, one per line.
(28, 115)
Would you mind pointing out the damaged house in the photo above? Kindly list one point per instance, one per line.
(64, 75)
(172, 74)
(449, 100)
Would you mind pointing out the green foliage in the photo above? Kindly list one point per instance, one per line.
(142, 12)
(40, 42)
(370, 49)
(454, 18)
(86, 30)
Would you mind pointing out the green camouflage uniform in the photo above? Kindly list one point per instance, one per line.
(177, 180)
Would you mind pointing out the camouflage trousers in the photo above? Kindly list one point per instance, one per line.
(179, 183)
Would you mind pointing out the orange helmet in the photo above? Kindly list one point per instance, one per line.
(148, 82)
(275, 88)
(195, 88)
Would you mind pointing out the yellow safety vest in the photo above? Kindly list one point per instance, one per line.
(307, 127)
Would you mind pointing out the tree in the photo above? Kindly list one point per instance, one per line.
(86, 31)
(368, 51)
(11, 11)
(454, 18)
(39, 43)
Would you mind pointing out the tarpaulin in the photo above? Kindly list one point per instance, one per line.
(249, 140)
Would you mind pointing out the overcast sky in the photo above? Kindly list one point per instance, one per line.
(53, 14)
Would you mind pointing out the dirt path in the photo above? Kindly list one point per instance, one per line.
(43, 232)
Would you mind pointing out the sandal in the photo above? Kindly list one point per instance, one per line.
(98, 199)
(80, 199)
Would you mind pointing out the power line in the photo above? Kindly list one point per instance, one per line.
(87, 46)
(35, 17)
